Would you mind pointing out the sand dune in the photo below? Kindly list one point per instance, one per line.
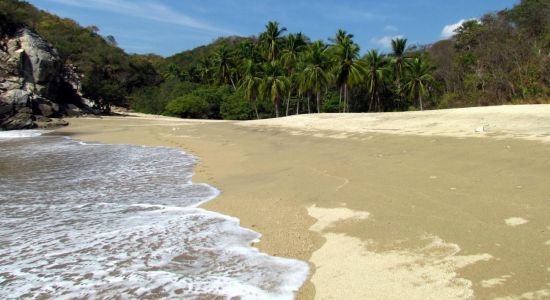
(530, 122)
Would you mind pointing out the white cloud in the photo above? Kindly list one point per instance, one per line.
(450, 30)
(146, 10)
(390, 28)
(385, 41)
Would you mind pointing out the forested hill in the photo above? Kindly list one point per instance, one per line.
(193, 57)
(110, 75)
(502, 58)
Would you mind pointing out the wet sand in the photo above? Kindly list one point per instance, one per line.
(377, 216)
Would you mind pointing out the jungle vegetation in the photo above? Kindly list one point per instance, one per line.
(501, 58)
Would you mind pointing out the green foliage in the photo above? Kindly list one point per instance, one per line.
(153, 99)
(532, 16)
(14, 14)
(110, 74)
(502, 58)
(331, 103)
(189, 106)
(498, 59)
(236, 107)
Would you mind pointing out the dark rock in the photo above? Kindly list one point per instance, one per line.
(21, 120)
(45, 107)
(47, 123)
(35, 87)
(17, 98)
(72, 110)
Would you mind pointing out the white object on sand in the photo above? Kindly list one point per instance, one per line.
(515, 221)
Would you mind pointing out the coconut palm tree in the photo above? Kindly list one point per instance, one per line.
(274, 84)
(376, 75)
(348, 69)
(223, 59)
(316, 74)
(272, 39)
(250, 84)
(295, 44)
(205, 69)
(399, 45)
(418, 79)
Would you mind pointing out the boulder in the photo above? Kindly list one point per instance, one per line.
(49, 123)
(39, 62)
(35, 86)
(72, 110)
(23, 119)
(17, 98)
(45, 107)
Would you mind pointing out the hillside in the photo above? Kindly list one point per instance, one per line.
(193, 56)
(109, 74)
(501, 58)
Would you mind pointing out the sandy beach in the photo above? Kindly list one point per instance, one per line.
(451, 204)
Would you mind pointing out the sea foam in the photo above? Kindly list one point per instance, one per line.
(14, 134)
(105, 221)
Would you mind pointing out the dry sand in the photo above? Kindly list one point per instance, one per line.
(426, 212)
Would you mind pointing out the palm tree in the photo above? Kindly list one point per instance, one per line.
(418, 79)
(250, 84)
(316, 73)
(205, 69)
(399, 45)
(173, 72)
(341, 36)
(348, 69)
(289, 57)
(376, 72)
(271, 39)
(223, 58)
(274, 84)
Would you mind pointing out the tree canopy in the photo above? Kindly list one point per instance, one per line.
(501, 58)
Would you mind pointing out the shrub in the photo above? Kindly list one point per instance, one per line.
(188, 106)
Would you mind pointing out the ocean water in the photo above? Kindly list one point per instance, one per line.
(95, 221)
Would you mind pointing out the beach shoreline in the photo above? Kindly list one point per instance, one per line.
(321, 191)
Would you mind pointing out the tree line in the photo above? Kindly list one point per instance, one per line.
(500, 58)
(296, 75)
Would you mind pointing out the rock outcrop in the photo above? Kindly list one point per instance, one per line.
(36, 89)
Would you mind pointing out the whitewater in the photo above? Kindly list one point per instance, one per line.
(80, 220)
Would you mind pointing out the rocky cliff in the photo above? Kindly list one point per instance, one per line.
(36, 89)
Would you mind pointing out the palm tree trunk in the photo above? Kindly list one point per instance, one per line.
(308, 103)
(256, 110)
(340, 103)
(371, 102)
(287, 103)
(346, 104)
(232, 83)
(277, 108)
(318, 102)
(420, 100)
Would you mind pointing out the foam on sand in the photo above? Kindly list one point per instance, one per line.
(534, 295)
(117, 221)
(14, 134)
(490, 283)
(515, 221)
(427, 272)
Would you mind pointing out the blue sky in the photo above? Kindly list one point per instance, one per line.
(166, 27)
